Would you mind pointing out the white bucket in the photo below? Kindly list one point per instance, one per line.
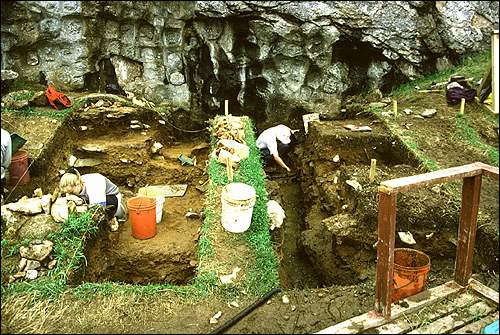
(159, 207)
(237, 201)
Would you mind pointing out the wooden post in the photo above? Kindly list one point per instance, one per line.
(462, 106)
(373, 166)
(229, 168)
(226, 107)
(471, 190)
(385, 252)
(494, 70)
(395, 107)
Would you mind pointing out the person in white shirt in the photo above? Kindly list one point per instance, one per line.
(6, 155)
(94, 188)
(273, 141)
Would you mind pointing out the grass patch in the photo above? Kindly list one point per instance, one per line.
(473, 66)
(262, 271)
(465, 131)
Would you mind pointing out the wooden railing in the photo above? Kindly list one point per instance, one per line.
(388, 190)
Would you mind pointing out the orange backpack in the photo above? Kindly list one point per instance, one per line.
(53, 96)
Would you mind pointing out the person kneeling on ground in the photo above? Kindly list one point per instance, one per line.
(94, 188)
(272, 142)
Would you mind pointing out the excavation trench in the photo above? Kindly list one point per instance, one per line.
(330, 229)
(329, 234)
(118, 142)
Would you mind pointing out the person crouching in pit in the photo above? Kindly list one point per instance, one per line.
(94, 188)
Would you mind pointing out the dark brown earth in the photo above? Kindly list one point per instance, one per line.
(328, 277)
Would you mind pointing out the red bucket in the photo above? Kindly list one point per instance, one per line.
(142, 216)
(411, 268)
(18, 169)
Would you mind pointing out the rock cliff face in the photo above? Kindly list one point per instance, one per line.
(273, 60)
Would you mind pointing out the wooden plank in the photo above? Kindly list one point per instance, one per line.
(475, 327)
(471, 189)
(495, 71)
(484, 290)
(385, 253)
(488, 170)
(409, 321)
(431, 178)
(373, 319)
(456, 320)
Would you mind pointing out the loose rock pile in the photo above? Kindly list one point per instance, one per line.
(36, 260)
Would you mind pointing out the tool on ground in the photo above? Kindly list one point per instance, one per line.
(186, 160)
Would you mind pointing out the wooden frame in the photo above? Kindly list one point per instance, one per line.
(494, 70)
(388, 190)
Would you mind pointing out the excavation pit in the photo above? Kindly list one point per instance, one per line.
(330, 232)
(135, 148)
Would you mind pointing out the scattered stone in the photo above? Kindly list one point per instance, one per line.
(32, 265)
(227, 279)
(99, 103)
(26, 205)
(354, 184)
(20, 274)
(407, 111)
(336, 158)
(59, 209)
(234, 304)
(293, 307)
(135, 126)
(161, 122)
(37, 193)
(436, 189)
(36, 251)
(113, 226)
(429, 112)
(31, 274)
(92, 148)
(406, 237)
(22, 264)
(285, 299)
(52, 264)
(83, 128)
(134, 121)
(192, 215)
(215, 318)
(321, 294)
(146, 126)
(156, 147)
(377, 105)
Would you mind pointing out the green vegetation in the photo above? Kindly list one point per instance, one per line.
(68, 250)
(472, 66)
(468, 133)
(23, 95)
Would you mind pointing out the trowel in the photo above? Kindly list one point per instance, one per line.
(17, 142)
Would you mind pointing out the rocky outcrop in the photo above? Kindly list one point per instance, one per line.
(270, 59)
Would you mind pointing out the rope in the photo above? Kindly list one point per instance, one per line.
(184, 130)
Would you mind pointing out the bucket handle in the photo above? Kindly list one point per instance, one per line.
(407, 284)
